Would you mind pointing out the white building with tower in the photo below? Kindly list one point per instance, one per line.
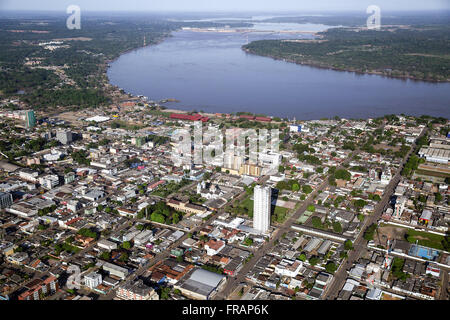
(399, 207)
(261, 208)
(386, 176)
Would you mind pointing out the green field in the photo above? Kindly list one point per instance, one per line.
(246, 207)
(425, 239)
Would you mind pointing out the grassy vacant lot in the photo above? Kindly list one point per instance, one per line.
(246, 207)
(425, 239)
(169, 188)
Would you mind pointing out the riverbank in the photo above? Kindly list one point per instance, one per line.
(107, 63)
(210, 72)
(317, 64)
(419, 53)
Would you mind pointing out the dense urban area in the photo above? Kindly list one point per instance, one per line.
(359, 209)
(93, 206)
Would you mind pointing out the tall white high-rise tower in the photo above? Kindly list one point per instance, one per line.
(262, 198)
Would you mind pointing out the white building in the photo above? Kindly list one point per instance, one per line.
(106, 244)
(143, 237)
(209, 191)
(136, 291)
(269, 159)
(431, 269)
(214, 247)
(386, 176)
(261, 208)
(374, 294)
(49, 181)
(436, 152)
(73, 205)
(54, 155)
(93, 280)
(94, 195)
(288, 268)
(232, 161)
(399, 207)
(115, 270)
(98, 119)
(295, 128)
(29, 175)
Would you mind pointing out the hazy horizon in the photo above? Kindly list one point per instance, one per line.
(230, 6)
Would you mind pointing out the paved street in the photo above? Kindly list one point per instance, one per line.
(331, 290)
(285, 227)
(360, 244)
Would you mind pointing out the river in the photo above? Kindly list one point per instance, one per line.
(208, 71)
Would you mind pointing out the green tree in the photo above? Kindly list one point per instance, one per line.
(126, 245)
(370, 232)
(157, 217)
(331, 267)
(164, 293)
(337, 227)
(124, 257)
(175, 218)
(313, 260)
(359, 204)
(105, 256)
(316, 222)
(348, 245)
(307, 189)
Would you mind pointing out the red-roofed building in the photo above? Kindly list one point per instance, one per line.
(213, 247)
(195, 117)
(72, 221)
(263, 119)
(169, 270)
(244, 116)
(128, 104)
(38, 288)
(155, 185)
(85, 241)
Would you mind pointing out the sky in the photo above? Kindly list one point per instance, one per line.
(225, 5)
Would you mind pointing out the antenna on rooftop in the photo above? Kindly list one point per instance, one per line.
(387, 253)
